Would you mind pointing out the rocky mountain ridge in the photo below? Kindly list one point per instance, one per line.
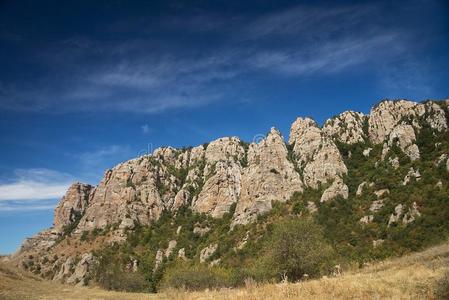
(231, 176)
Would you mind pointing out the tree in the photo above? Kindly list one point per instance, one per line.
(297, 246)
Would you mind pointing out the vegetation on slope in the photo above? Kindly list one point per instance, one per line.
(338, 236)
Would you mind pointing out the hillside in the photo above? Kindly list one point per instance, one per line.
(358, 189)
(419, 275)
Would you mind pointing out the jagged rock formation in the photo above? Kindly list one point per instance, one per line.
(337, 188)
(270, 176)
(72, 205)
(222, 188)
(208, 252)
(347, 128)
(315, 153)
(229, 173)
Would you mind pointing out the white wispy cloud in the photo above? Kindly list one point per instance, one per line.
(145, 128)
(35, 184)
(97, 157)
(25, 205)
(142, 76)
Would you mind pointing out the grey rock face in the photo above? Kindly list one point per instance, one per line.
(338, 188)
(316, 154)
(208, 252)
(72, 205)
(346, 127)
(270, 176)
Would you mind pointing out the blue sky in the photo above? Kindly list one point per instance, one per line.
(85, 85)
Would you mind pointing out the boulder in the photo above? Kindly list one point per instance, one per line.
(207, 252)
(337, 188)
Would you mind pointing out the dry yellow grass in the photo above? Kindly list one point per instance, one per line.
(410, 277)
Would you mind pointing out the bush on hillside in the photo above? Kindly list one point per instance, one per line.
(183, 275)
(296, 246)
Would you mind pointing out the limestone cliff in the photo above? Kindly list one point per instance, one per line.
(226, 173)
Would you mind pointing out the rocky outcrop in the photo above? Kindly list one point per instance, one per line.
(347, 127)
(171, 246)
(207, 252)
(376, 205)
(360, 188)
(337, 188)
(227, 172)
(396, 122)
(366, 219)
(83, 270)
(270, 176)
(404, 137)
(73, 205)
(396, 215)
(411, 174)
(407, 217)
(41, 242)
(315, 153)
(387, 114)
(412, 214)
(182, 254)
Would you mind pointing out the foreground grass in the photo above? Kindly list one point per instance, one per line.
(413, 276)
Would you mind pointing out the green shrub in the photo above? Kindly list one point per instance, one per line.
(195, 277)
(114, 278)
(296, 246)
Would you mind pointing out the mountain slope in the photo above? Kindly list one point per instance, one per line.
(419, 275)
(377, 183)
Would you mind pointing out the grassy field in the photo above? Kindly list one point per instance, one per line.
(415, 276)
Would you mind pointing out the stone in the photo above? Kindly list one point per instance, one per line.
(171, 246)
(377, 243)
(385, 150)
(221, 190)
(376, 205)
(441, 159)
(412, 214)
(367, 152)
(182, 254)
(243, 242)
(316, 154)
(366, 219)
(337, 188)
(83, 270)
(200, 230)
(127, 224)
(65, 270)
(411, 174)
(346, 128)
(382, 193)
(270, 176)
(215, 262)
(207, 252)
(360, 188)
(72, 205)
(158, 259)
(387, 114)
(404, 137)
(396, 215)
(394, 162)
